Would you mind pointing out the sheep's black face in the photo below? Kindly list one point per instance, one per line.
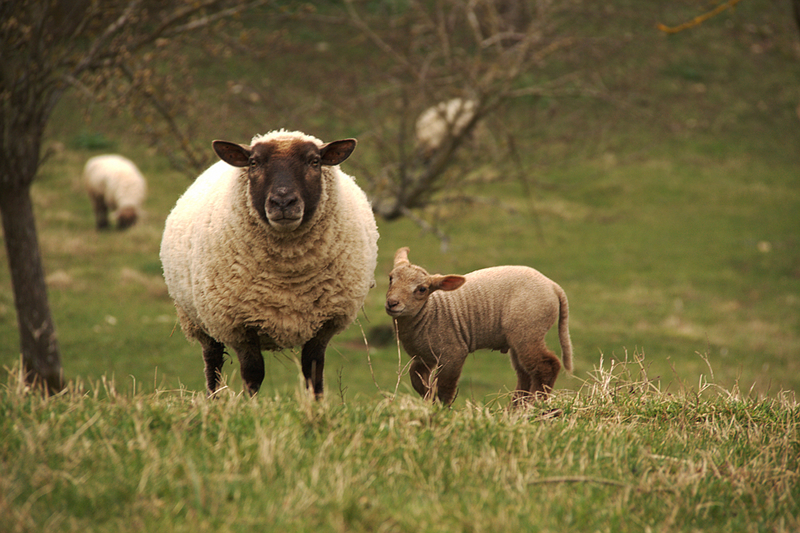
(126, 217)
(285, 176)
(285, 183)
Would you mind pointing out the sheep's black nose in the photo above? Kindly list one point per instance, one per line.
(282, 201)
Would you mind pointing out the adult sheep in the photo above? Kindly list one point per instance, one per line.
(445, 119)
(270, 248)
(442, 319)
(114, 183)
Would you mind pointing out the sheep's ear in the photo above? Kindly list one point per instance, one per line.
(236, 155)
(447, 283)
(335, 152)
(401, 256)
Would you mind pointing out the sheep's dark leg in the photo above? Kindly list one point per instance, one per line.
(213, 356)
(313, 363)
(100, 211)
(313, 358)
(251, 362)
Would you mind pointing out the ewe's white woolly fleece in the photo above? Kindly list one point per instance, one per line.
(227, 269)
(116, 179)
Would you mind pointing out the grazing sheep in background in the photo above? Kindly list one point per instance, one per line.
(437, 123)
(270, 248)
(114, 184)
(442, 319)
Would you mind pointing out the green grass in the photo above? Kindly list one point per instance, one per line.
(667, 211)
(619, 454)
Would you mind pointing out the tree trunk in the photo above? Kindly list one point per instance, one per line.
(40, 353)
(796, 4)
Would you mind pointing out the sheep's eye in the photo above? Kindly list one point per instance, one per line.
(314, 162)
(421, 290)
(253, 163)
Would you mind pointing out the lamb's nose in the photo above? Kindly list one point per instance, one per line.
(391, 304)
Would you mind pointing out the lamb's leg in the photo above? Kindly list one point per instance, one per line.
(251, 362)
(446, 379)
(542, 367)
(313, 358)
(524, 383)
(420, 374)
(213, 356)
(544, 371)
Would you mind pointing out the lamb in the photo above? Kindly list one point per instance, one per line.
(114, 184)
(506, 308)
(270, 248)
(445, 119)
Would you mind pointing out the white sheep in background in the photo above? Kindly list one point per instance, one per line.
(115, 184)
(270, 248)
(442, 319)
(446, 119)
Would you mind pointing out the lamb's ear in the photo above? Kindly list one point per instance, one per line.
(401, 256)
(335, 152)
(237, 155)
(446, 283)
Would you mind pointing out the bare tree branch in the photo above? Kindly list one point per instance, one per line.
(171, 26)
(473, 51)
(171, 20)
(178, 135)
(698, 19)
(444, 240)
(100, 42)
(359, 23)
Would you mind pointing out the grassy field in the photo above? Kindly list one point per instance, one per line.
(680, 259)
(616, 455)
(668, 209)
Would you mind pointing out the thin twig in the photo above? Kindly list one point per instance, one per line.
(698, 19)
(576, 479)
(369, 359)
(374, 37)
(444, 240)
(401, 370)
(100, 41)
(169, 119)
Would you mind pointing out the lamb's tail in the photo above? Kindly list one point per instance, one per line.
(563, 328)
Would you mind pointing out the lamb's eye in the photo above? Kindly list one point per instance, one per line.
(314, 162)
(253, 163)
(421, 290)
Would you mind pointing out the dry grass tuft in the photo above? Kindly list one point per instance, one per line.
(618, 454)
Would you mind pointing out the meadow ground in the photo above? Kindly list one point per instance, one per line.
(619, 454)
(668, 211)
